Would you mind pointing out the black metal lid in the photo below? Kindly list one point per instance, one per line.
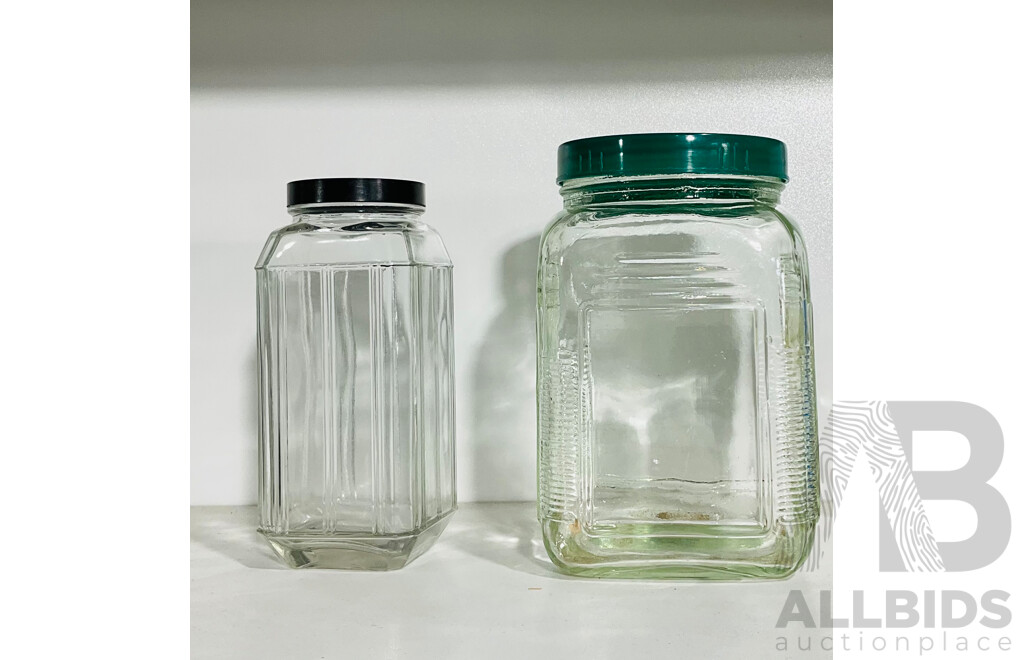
(355, 191)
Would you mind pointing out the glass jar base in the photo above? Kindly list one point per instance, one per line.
(772, 556)
(355, 552)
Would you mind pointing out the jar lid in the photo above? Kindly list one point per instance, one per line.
(356, 191)
(643, 154)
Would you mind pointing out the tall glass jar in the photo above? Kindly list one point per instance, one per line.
(356, 454)
(676, 402)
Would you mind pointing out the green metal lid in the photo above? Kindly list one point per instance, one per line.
(643, 154)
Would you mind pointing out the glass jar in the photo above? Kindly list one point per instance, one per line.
(356, 453)
(676, 403)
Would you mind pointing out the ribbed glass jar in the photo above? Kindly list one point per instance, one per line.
(676, 401)
(356, 454)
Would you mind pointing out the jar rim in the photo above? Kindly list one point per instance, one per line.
(354, 207)
(588, 181)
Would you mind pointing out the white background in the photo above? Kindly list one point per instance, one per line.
(927, 258)
(473, 99)
(926, 279)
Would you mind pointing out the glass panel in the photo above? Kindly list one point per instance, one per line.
(674, 415)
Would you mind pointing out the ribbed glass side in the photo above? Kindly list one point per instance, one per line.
(357, 411)
(559, 449)
(794, 409)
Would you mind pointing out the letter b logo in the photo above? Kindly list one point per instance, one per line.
(968, 484)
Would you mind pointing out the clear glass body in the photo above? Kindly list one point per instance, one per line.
(356, 453)
(676, 406)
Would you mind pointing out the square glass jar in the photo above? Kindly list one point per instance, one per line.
(676, 415)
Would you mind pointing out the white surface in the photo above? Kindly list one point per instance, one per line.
(473, 99)
(485, 590)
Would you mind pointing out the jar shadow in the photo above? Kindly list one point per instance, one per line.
(503, 399)
(231, 533)
(505, 533)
